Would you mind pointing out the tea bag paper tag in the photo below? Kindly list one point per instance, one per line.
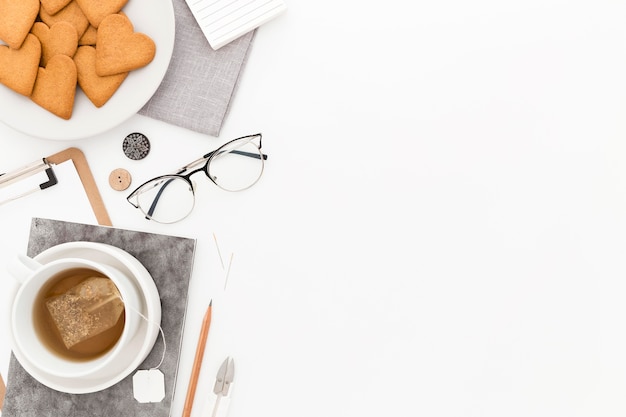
(149, 386)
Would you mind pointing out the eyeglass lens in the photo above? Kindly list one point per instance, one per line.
(236, 166)
(166, 199)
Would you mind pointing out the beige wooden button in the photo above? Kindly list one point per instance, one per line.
(119, 179)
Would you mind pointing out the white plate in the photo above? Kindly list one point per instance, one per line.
(155, 18)
(141, 344)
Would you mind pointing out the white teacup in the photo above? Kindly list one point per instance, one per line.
(33, 276)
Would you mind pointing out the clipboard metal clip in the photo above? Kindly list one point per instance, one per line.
(77, 157)
(26, 171)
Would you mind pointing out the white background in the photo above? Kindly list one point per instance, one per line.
(441, 225)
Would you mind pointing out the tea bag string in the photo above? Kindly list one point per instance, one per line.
(160, 331)
(117, 295)
(149, 384)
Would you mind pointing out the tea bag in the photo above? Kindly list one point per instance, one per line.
(85, 310)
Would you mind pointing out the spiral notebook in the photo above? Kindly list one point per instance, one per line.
(223, 21)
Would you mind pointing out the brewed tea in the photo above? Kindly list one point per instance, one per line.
(79, 314)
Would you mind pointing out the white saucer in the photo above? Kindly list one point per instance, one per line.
(142, 342)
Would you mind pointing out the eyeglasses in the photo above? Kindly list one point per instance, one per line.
(235, 166)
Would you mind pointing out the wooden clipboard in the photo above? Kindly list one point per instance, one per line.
(86, 177)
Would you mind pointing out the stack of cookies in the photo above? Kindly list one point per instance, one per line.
(51, 46)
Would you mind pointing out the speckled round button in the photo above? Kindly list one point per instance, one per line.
(119, 179)
(136, 146)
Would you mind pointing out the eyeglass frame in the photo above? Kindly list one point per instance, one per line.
(205, 168)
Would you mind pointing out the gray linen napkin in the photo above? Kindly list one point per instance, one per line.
(200, 82)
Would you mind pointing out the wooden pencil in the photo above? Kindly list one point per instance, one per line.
(197, 361)
(2, 392)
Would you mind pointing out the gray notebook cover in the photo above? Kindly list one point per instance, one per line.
(169, 260)
(200, 82)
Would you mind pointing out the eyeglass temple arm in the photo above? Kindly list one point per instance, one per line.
(249, 154)
(156, 199)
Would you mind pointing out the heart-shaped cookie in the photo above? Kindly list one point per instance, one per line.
(55, 86)
(61, 38)
(98, 89)
(18, 67)
(96, 10)
(89, 37)
(53, 6)
(16, 19)
(71, 13)
(119, 48)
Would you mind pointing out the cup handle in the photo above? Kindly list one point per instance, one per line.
(21, 267)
